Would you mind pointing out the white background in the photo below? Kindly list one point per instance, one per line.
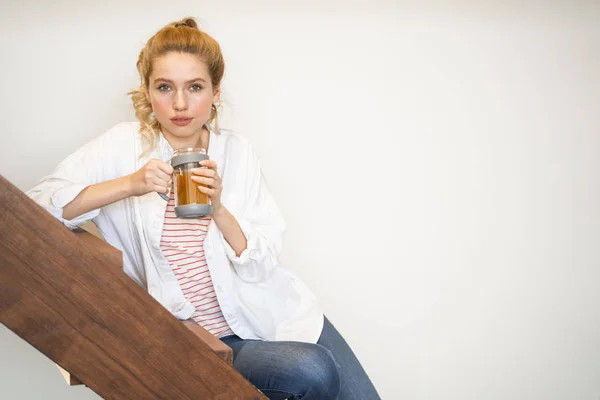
(437, 164)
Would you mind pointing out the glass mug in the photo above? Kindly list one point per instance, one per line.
(190, 202)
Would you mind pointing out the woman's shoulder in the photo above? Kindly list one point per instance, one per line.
(233, 138)
(234, 143)
(118, 134)
(124, 131)
(120, 137)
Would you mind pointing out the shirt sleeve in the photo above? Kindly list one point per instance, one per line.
(88, 165)
(262, 224)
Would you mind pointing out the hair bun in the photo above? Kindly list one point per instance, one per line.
(189, 22)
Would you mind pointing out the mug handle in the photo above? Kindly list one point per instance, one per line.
(162, 195)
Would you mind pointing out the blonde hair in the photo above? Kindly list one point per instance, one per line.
(180, 36)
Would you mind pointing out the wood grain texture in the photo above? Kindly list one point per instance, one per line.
(101, 248)
(79, 309)
(115, 256)
(220, 348)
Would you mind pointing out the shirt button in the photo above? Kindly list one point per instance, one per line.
(219, 288)
(229, 315)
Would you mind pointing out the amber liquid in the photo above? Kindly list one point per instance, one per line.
(187, 189)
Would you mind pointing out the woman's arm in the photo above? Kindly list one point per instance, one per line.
(252, 235)
(90, 178)
(91, 164)
(97, 196)
(212, 185)
(230, 229)
(155, 176)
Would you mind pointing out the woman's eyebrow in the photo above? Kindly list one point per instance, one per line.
(170, 81)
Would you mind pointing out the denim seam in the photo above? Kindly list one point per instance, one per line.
(298, 396)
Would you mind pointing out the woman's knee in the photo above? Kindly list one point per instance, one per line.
(290, 369)
(320, 372)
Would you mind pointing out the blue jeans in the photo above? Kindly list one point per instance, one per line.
(328, 370)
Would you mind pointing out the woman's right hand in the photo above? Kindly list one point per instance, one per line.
(155, 176)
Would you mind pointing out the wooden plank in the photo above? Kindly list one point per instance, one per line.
(220, 348)
(80, 310)
(113, 255)
(70, 379)
(95, 240)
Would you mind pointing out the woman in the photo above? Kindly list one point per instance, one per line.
(220, 271)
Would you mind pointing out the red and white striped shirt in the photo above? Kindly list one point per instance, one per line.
(182, 244)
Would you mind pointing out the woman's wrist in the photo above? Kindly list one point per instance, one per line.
(218, 210)
(230, 228)
(127, 185)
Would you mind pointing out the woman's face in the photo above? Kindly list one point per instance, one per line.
(181, 94)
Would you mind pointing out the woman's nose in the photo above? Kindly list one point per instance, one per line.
(179, 102)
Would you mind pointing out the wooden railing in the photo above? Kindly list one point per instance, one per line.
(65, 294)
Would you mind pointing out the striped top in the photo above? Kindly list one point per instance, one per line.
(182, 244)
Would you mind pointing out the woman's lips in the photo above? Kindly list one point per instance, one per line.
(181, 121)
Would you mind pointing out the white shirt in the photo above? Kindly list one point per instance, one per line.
(259, 298)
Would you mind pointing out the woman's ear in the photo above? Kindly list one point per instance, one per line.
(147, 94)
(217, 94)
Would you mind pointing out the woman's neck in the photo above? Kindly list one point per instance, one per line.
(200, 139)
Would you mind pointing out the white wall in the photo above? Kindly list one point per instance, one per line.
(438, 166)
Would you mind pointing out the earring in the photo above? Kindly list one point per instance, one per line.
(152, 115)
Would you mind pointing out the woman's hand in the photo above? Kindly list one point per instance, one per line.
(155, 176)
(210, 182)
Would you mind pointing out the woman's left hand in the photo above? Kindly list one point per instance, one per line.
(210, 182)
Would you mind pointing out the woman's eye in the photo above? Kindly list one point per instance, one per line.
(195, 88)
(164, 88)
